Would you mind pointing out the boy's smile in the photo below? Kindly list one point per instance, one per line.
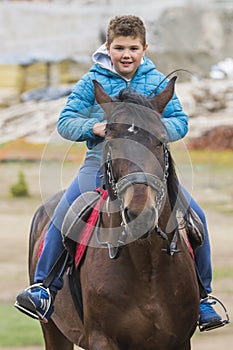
(126, 53)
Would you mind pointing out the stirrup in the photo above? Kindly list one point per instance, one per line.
(220, 323)
(29, 309)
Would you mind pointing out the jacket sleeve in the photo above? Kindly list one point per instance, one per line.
(173, 116)
(80, 113)
(175, 120)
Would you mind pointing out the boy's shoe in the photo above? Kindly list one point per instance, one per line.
(208, 317)
(36, 302)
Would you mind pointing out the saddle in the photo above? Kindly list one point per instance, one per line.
(80, 221)
(191, 229)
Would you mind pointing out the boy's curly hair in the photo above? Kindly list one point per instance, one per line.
(126, 26)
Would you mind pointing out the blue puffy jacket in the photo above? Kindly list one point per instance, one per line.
(82, 112)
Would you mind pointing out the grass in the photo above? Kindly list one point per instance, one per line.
(221, 159)
(17, 329)
(205, 157)
(21, 150)
(223, 272)
(225, 208)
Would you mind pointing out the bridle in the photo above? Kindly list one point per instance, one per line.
(117, 187)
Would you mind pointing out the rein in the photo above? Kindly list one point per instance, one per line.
(117, 187)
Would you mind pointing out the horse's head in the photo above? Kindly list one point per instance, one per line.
(135, 155)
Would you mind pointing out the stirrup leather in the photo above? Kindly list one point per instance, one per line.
(220, 323)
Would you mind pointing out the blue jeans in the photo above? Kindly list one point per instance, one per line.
(88, 179)
(203, 255)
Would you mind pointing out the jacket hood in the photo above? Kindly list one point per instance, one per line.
(101, 57)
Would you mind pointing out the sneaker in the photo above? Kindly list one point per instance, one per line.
(208, 317)
(36, 302)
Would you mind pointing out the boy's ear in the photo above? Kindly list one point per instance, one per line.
(145, 48)
(107, 46)
(101, 97)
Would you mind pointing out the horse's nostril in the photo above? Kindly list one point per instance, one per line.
(130, 215)
(144, 215)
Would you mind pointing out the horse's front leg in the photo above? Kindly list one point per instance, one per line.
(54, 339)
(98, 341)
(185, 346)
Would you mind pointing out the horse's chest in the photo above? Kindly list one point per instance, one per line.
(138, 303)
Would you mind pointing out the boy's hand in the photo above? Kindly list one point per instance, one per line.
(99, 129)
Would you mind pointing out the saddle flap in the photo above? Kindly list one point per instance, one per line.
(76, 219)
(191, 228)
(195, 228)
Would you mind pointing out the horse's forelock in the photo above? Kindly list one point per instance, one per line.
(133, 97)
(131, 107)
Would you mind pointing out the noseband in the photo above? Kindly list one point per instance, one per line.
(126, 181)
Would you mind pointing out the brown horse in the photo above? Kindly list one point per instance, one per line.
(147, 297)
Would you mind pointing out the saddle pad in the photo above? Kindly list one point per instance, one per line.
(41, 246)
(88, 229)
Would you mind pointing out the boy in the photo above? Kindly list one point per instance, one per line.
(119, 64)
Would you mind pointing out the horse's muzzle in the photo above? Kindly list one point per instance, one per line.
(137, 225)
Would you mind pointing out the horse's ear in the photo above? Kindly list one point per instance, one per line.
(161, 100)
(101, 97)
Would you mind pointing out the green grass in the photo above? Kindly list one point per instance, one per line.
(17, 329)
(224, 207)
(222, 159)
(223, 272)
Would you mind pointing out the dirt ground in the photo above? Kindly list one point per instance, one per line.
(16, 215)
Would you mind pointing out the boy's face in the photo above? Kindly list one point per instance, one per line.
(126, 54)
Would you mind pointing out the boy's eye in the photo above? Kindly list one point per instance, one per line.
(122, 48)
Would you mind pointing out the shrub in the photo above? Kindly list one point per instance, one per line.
(20, 189)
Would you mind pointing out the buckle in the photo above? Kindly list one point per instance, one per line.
(218, 323)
